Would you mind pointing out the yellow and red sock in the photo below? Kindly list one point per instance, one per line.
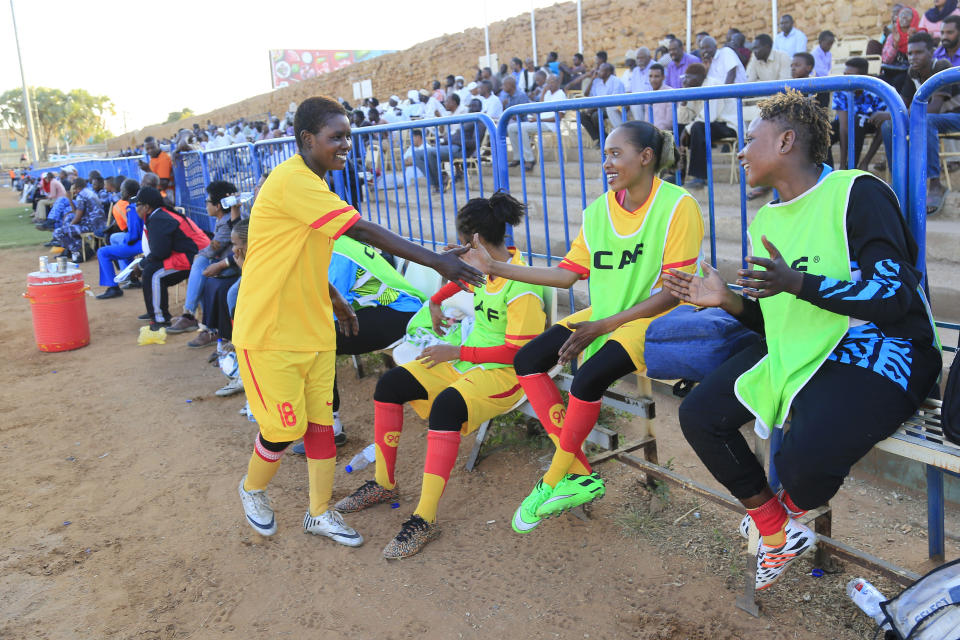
(547, 403)
(321, 462)
(577, 425)
(442, 449)
(771, 520)
(387, 425)
(263, 465)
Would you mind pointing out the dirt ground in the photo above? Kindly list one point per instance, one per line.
(121, 519)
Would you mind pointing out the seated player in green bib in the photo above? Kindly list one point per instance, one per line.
(457, 387)
(630, 235)
(850, 348)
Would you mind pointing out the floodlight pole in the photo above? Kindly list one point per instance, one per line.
(579, 27)
(32, 140)
(533, 33)
(486, 33)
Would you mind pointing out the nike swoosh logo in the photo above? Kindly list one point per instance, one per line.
(560, 497)
(519, 523)
(261, 526)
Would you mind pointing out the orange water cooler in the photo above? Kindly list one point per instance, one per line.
(59, 309)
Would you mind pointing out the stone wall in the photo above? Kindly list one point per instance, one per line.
(614, 25)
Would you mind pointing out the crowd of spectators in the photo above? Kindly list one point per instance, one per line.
(933, 36)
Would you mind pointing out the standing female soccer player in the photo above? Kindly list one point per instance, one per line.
(638, 228)
(458, 387)
(284, 329)
(850, 347)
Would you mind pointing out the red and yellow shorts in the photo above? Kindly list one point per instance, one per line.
(288, 389)
(487, 393)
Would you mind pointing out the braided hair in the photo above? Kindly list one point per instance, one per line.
(793, 110)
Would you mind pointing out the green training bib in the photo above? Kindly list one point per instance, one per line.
(375, 267)
(624, 269)
(811, 234)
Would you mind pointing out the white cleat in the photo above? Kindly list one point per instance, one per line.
(330, 523)
(256, 506)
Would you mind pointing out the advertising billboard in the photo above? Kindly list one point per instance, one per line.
(293, 65)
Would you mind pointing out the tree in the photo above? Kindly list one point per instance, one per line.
(174, 116)
(75, 117)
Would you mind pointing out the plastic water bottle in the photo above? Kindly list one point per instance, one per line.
(868, 598)
(362, 459)
(219, 346)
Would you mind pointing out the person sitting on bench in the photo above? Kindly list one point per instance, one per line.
(457, 387)
(638, 228)
(850, 347)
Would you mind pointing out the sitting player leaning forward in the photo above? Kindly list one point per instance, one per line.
(456, 387)
(638, 228)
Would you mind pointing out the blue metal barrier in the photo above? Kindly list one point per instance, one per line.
(190, 174)
(441, 176)
(270, 153)
(918, 158)
(127, 167)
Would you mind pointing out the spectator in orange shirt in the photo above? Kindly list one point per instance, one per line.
(160, 164)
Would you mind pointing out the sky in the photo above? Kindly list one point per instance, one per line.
(204, 54)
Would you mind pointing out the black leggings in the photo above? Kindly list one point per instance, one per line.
(379, 328)
(837, 418)
(398, 386)
(592, 378)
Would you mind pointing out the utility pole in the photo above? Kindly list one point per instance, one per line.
(32, 141)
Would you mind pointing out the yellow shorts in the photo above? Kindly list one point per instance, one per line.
(486, 392)
(288, 389)
(631, 336)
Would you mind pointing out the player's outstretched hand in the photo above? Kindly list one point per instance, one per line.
(478, 256)
(708, 290)
(434, 355)
(451, 267)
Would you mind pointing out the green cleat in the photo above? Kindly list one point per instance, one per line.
(571, 492)
(526, 519)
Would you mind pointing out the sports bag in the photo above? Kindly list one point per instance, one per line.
(929, 609)
(690, 342)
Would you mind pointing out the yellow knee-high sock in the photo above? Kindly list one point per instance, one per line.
(441, 456)
(262, 467)
(321, 483)
(433, 487)
(321, 460)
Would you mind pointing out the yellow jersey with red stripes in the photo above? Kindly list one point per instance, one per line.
(684, 237)
(284, 300)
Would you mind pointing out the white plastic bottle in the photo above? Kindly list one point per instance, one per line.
(362, 459)
(868, 598)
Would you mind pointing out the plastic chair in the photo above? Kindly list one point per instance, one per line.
(423, 278)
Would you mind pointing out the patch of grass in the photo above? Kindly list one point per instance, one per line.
(16, 230)
(514, 429)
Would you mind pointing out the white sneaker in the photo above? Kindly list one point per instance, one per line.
(330, 523)
(233, 387)
(256, 506)
(773, 561)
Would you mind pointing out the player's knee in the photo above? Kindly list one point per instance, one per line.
(536, 356)
(590, 382)
(275, 447)
(398, 386)
(449, 411)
